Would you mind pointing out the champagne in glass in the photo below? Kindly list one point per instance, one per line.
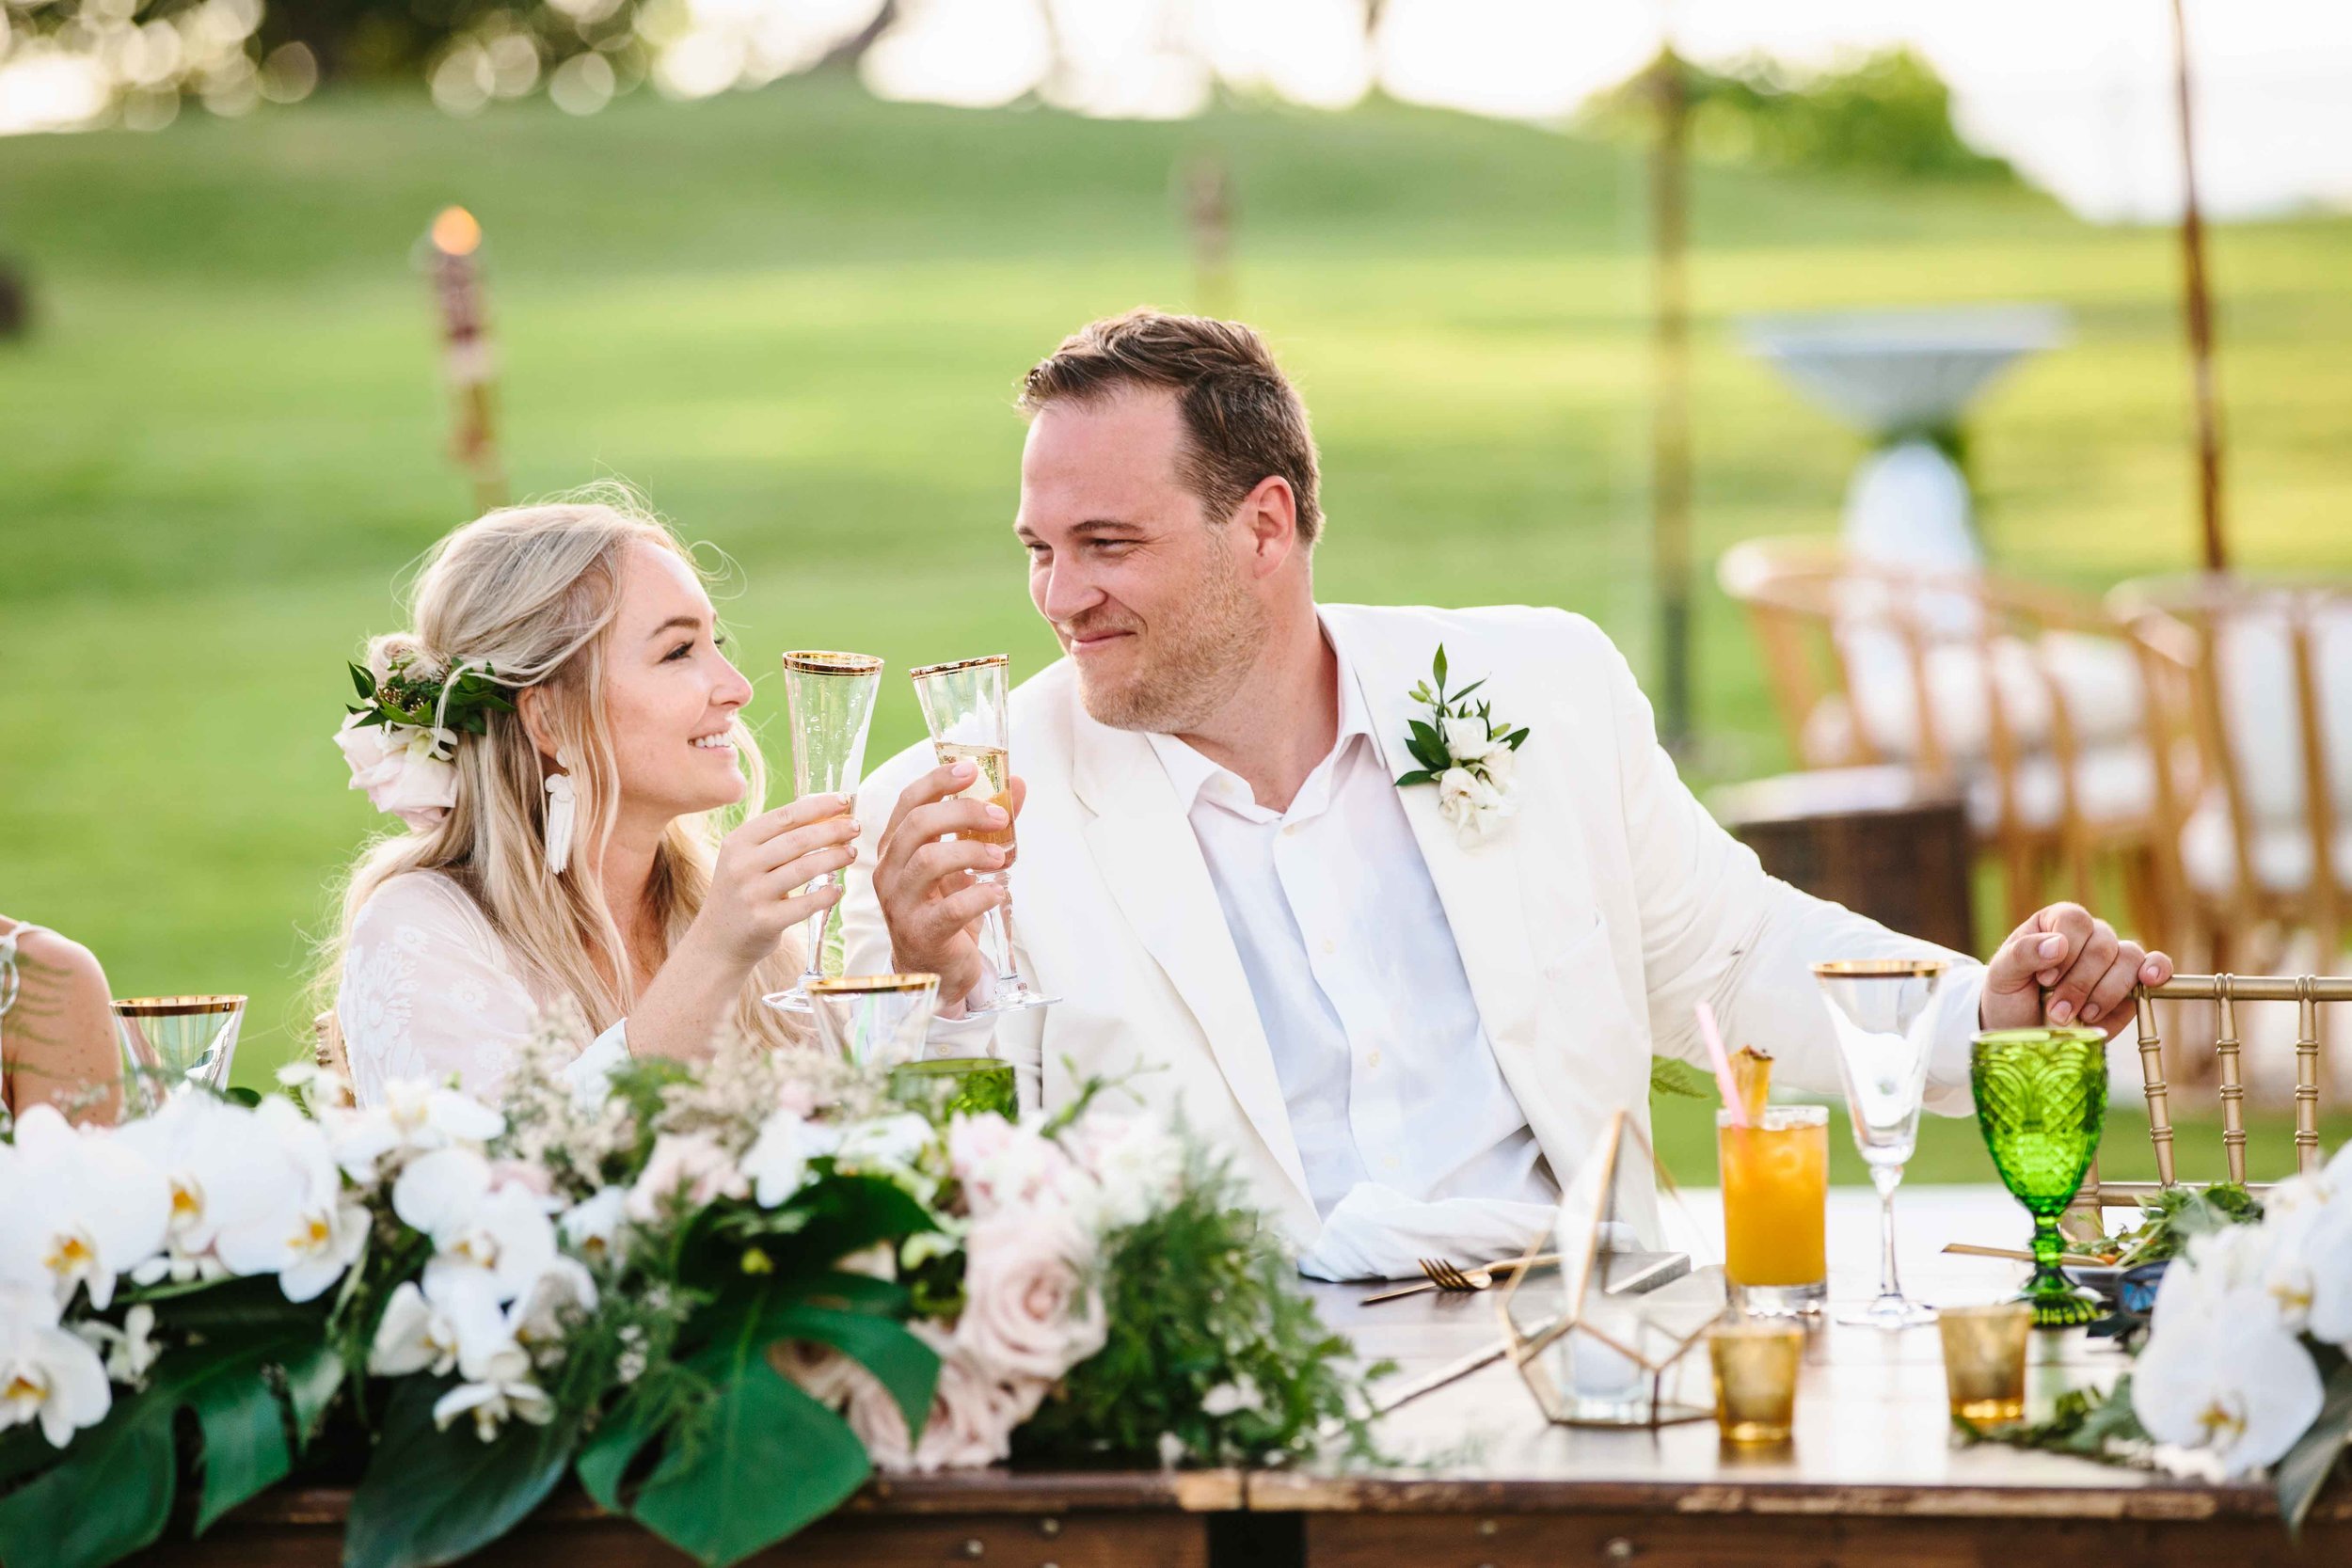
(832, 699)
(1884, 1014)
(963, 704)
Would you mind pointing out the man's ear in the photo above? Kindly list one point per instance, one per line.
(530, 706)
(1270, 515)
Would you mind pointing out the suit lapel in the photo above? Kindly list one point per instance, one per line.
(1480, 887)
(1144, 846)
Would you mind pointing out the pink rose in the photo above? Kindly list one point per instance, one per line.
(691, 1163)
(395, 764)
(820, 1371)
(972, 1416)
(1029, 1310)
(1001, 1164)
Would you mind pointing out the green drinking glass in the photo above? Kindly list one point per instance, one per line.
(2041, 1101)
(973, 1084)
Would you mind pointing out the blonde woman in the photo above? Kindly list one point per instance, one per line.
(560, 735)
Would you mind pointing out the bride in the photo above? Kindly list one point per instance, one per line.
(575, 738)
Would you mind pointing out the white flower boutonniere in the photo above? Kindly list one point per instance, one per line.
(1467, 754)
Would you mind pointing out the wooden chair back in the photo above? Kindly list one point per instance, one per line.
(326, 1048)
(2225, 992)
(1806, 596)
(2189, 624)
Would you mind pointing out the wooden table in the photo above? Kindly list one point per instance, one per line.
(1872, 1480)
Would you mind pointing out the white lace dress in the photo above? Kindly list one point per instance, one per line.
(427, 990)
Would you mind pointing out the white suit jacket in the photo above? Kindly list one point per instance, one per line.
(1589, 924)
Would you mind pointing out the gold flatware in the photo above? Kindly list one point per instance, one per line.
(2079, 1259)
(1445, 1276)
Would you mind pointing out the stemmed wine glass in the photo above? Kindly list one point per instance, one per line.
(963, 702)
(167, 1040)
(832, 699)
(1883, 1015)
(2042, 1100)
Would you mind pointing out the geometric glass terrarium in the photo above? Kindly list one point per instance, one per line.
(1610, 1341)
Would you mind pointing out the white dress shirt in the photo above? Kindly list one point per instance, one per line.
(1385, 1066)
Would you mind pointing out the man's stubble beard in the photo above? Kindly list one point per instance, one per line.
(1198, 659)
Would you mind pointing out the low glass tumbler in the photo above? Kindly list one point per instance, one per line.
(1984, 1360)
(1755, 1361)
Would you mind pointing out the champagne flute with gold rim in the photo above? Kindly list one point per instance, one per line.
(832, 699)
(963, 704)
(1883, 1014)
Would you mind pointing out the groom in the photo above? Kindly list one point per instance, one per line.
(1407, 1034)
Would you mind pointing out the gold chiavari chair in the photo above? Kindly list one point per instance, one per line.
(2225, 992)
(326, 1048)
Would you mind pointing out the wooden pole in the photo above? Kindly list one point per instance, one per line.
(1208, 199)
(466, 357)
(2199, 308)
(1670, 429)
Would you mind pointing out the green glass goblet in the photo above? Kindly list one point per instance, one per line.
(2041, 1101)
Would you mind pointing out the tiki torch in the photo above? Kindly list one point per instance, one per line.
(466, 358)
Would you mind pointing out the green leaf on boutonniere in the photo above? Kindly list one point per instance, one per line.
(1473, 686)
(1513, 738)
(1419, 775)
(1438, 667)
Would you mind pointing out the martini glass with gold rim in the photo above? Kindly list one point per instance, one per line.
(1882, 1013)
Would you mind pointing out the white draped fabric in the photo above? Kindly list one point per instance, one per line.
(429, 991)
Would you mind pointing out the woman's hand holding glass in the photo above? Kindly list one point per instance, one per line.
(755, 885)
(923, 876)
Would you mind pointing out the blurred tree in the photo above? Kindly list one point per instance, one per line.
(1890, 111)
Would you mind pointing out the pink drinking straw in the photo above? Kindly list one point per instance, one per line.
(1714, 1038)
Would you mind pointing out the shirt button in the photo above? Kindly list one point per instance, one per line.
(1373, 1060)
(1330, 946)
(1388, 1161)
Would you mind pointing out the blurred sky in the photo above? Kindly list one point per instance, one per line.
(2079, 92)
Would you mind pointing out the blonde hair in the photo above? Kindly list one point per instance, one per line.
(531, 590)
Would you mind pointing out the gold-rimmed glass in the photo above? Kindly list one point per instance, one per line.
(168, 1041)
(831, 696)
(1754, 1361)
(963, 705)
(1883, 1016)
(1984, 1360)
(875, 1021)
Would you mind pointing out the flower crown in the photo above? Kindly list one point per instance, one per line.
(400, 737)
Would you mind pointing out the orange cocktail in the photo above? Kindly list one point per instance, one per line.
(1775, 1176)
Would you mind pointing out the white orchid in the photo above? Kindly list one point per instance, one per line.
(47, 1373)
(310, 1230)
(2220, 1375)
(592, 1227)
(207, 1149)
(86, 1209)
(415, 1116)
(499, 1231)
(130, 1350)
(497, 1387)
(429, 1333)
(891, 1145)
(777, 1162)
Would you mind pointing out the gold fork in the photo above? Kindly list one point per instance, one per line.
(1444, 1276)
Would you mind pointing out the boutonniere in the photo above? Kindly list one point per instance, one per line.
(1467, 754)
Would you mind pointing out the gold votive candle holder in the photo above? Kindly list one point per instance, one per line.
(1984, 1359)
(1755, 1361)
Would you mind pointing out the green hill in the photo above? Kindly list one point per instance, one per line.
(796, 318)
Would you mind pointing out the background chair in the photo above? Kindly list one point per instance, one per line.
(2031, 702)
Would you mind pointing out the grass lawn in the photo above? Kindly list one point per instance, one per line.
(796, 318)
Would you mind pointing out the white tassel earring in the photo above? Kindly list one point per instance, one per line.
(560, 817)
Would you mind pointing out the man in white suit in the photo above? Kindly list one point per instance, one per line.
(1406, 1020)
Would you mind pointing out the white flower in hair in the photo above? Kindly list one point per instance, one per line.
(399, 737)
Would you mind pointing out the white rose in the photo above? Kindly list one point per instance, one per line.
(1029, 1312)
(1470, 739)
(398, 767)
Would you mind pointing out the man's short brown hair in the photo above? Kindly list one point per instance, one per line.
(1243, 420)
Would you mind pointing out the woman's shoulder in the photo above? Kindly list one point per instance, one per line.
(44, 955)
(419, 899)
